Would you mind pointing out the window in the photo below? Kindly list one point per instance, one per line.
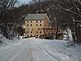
(31, 35)
(37, 32)
(31, 31)
(31, 21)
(40, 24)
(31, 24)
(36, 21)
(40, 20)
(36, 24)
(27, 24)
(40, 31)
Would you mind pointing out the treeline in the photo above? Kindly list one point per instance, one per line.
(9, 26)
(64, 13)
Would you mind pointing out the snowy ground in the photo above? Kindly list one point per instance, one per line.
(40, 50)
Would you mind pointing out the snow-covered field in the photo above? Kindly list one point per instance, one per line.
(32, 49)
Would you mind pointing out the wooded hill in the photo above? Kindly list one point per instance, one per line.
(64, 13)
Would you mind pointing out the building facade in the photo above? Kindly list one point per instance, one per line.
(38, 25)
(35, 24)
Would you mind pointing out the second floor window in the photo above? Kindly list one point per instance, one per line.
(31, 24)
(36, 21)
(40, 20)
(31, 21)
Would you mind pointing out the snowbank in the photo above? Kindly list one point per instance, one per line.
(6, 43)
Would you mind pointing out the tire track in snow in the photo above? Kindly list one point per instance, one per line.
(46, 53)
(60, 56)
(30, 57)
(51, 55)
(40, 53)
(57, 55)
(30, 54)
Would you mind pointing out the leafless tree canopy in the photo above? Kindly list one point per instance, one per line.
(64, 13)
(5, 7)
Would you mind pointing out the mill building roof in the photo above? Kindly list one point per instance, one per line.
(35, 16)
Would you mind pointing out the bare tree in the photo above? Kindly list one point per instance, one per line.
(5, 7)
(64, 11)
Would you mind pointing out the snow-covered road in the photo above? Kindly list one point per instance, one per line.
(39, 50)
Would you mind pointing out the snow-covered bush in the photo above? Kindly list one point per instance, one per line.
(68, 37)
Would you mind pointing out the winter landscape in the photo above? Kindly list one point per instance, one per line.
(40, 30)
(33, 49)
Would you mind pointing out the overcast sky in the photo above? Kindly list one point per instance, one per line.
(24, 1)
(20, 2)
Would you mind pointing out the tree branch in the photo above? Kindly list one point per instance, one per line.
(68, 10)
(77, 8)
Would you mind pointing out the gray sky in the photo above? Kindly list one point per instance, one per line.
(24, 1)
(20, 2)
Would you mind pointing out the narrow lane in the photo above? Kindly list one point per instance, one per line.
(38, 52)
(33, 50)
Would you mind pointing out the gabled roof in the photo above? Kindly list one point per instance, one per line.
(35, 16)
